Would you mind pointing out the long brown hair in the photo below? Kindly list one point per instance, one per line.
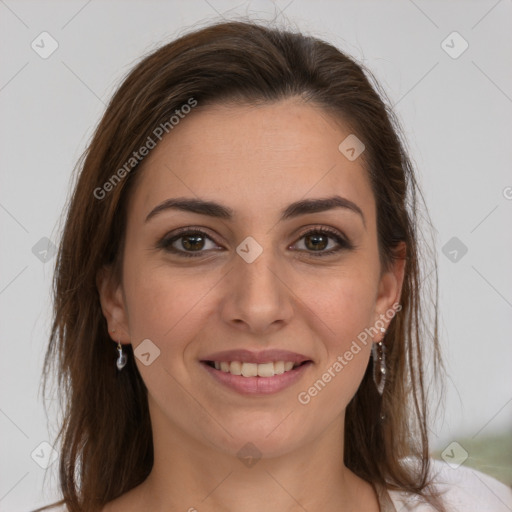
(106, 439)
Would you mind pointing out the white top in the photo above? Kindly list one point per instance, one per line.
(464, 490)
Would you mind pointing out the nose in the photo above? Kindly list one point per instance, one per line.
(257, 299)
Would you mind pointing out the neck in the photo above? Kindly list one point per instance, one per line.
(190, 474)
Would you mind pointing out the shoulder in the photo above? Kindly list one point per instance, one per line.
(462, 489)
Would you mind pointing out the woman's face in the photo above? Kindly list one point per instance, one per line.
(260, 276)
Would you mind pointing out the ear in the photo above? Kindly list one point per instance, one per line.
(113, 304)
(390, 287)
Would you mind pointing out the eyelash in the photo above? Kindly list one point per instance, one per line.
(166, 243)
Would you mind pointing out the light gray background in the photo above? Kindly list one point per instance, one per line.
(456, 114)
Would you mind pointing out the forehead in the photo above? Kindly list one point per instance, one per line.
(254, 159)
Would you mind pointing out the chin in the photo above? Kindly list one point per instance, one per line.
(265, 439)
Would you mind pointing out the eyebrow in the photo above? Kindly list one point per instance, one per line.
(213, 209)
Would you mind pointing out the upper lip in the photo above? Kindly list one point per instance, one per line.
(263, 356)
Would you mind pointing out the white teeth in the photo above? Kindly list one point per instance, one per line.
(265, 369)
(249, 369)
(236, 368)
(254, 369)
(278, 367)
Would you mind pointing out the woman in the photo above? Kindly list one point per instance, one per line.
(241, 240)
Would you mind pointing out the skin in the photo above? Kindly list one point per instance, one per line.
(256, 160)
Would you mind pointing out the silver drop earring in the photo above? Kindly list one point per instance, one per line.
(379, 364)
(121, 358)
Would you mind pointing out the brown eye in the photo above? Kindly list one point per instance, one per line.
(192, 242)
(188, 242)
(323, 242)
(316, 242)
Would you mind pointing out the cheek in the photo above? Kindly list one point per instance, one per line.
(167, 307)
(162, 301)
(340, 311)
(343, 313)
(344, 303)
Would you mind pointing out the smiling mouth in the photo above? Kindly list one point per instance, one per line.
(255, 369)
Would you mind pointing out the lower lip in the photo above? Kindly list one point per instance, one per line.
(258, 385)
